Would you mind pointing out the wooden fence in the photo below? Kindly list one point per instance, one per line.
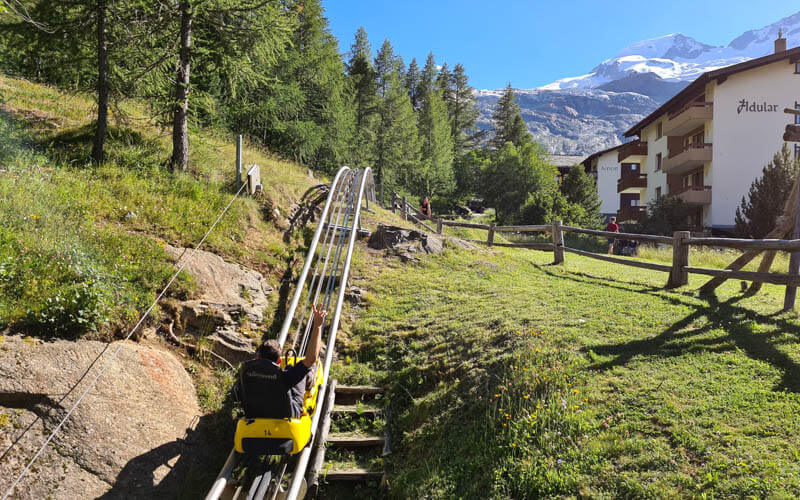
(681, 242)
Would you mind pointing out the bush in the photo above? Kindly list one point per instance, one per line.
(664, 216)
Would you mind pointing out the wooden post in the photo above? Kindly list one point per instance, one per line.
(794, 260)
(238, 162)
(439, 225)
(680, 259)
(318, 449)
(405, 209)
(490, 237)
(394, 201)
(558, 243)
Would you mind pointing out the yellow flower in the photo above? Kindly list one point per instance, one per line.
(513, 445)
(575, 391)
(526, 396)
(538, 350)
(497, 395)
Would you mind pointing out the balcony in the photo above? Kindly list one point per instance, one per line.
(680, 161)
(688, 118)
(631, 183)
(633, 148)
(631, 213)
(694, 195)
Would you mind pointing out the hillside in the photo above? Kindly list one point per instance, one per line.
(513, 378)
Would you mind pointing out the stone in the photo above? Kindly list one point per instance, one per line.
(131, 216)
(404, 243)
(230, 296)
(355, 295)
(135, 417)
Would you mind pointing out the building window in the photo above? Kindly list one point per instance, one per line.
(658, 162)
(634, 203)
(658, 192)
(797, 117)
(797, 151)
(797, 68)
(659, 134)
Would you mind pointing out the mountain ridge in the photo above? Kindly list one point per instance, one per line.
(582, 114)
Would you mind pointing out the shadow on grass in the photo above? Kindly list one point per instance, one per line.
(726, 316)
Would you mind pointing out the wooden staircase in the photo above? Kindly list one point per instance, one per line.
(343, 402)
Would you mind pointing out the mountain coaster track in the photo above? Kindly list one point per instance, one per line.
(339, 222)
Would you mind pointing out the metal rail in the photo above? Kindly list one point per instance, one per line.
(337, 228)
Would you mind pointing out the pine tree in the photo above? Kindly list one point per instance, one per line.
(435, 171)
(412, 81)
(444, 86)
(362, 77)
(508, 123)
(396, 144)
(464, 112)
(579, 188)
(758, 212)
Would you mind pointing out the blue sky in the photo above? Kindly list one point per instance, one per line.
(531, 43)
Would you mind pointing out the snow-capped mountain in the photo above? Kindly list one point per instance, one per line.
(678, 57)
(580, 115)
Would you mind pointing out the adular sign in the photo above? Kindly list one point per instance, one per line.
(755, 107)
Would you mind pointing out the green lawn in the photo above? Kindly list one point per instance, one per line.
(514, 378)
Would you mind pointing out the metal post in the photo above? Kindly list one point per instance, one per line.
(238, 162)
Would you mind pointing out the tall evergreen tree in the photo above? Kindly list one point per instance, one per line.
(444, 86)
(579, 188)
(412, 80)
(396, 146)
(362, 78)
(435, 170)
(758, 212)
(508, 123)
(464, 111)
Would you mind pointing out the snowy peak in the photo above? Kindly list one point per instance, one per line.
(677, 57)
(674, 46)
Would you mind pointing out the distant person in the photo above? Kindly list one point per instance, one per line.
(612, 227)
(425, 207)
(268, 391)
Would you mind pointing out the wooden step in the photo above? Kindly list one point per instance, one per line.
(353, 474)
(367, 411)
(358, 389)
(354, 440)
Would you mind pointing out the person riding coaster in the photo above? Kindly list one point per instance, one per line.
(279, 401)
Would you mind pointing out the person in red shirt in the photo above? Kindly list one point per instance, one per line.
(612, 227)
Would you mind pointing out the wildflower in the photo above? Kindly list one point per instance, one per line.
(538, 350)
(497, 395)
(526, 396)
(575, 391)
(513, 445)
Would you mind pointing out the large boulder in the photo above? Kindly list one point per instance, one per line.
(134, 418)
(406, 244)
(230, 296)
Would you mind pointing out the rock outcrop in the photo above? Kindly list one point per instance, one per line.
(230, 297)
(123, 440)
(406, 244)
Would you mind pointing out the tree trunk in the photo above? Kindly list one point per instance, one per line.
(180, 138)
(98, 148)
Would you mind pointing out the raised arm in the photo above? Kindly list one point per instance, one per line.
(312, 350)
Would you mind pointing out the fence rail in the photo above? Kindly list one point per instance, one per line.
(681, 242)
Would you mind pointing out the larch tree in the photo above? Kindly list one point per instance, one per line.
(396, 144)
(434, 173)
(464, 111)
(508, 123)
(411, 80)
(362, 78)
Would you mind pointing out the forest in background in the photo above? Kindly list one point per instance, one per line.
(272, 71)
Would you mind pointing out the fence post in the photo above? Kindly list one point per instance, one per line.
(558, 243)
(490, 237)
(680, 259)
(439, 225)
(405, 209)
(394, 202)
(794, 258)
(238, 162)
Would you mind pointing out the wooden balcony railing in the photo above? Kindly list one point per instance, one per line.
(631, 181)
(696, 104)
(633, 148)
(631, 213)
(700, 145)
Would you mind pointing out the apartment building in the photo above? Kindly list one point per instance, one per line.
(621, 183)
(707, 144)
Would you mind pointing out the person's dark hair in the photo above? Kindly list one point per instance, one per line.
(269, 349)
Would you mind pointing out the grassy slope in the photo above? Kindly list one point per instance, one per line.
(66, 229)
(513, 378)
